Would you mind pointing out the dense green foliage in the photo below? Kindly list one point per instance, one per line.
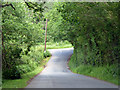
(93, 30)
(47, 54)
(26, 77)
(105, 73)
(21, 30)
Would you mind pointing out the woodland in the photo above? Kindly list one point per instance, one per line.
(93, 30)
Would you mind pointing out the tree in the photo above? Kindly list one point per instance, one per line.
(19, 32)
(92, 28)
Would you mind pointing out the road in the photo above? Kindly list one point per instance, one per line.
(57, 75)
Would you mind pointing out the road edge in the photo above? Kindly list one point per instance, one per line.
(86, 75)
(28, 82)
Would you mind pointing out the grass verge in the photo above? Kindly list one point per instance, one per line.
(101, 72)
(21, 83)
(58, 46)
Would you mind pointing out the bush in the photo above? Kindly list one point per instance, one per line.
(12, 73)
(47, 54)
(25, 68)
(32, 60)
(26, 63)
(10, 58)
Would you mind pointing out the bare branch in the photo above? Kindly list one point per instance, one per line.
(7, 5)
(28, 4)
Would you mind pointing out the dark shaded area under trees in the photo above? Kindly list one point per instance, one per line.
(92, 28)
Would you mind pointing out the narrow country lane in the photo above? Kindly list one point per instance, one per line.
(57, 75)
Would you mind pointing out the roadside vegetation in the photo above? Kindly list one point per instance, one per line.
(25, 78)
(22, 58)
(94, 32)
(92, 29)
(32, 64)
(58, 45)
(106, 72)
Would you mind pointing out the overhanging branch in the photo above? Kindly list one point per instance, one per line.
(28, 4)
(7, 5)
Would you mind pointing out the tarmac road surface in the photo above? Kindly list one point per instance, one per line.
(57, 75)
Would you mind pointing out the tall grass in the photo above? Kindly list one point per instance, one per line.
(105, 72)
